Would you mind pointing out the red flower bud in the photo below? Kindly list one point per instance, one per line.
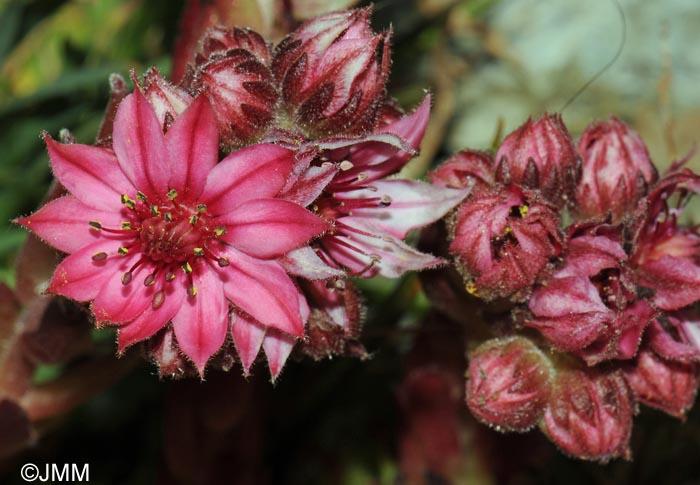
(219, 40)
(508, 383)
(233, 71)
(503, 239)
(332, 71)
(616, 170)
(540, 155)
(666, 385)
(589, 414)
(168, 101)
(463, 169)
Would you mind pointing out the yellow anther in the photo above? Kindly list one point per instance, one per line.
(126, 225)
(523, 210)
(187, 268)
(472, 289)
(155, 210)
(201, 208)
(193, 219)
(220, 231)
(168, 217)
(507, 230)
(199, 251)
(192, 291)
(172, 194)
(141, 196)
(127, 201)
(123, 251)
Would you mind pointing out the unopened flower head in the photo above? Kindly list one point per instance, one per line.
(332, 73)
(616, 171)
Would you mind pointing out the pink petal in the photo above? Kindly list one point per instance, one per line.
(117, 302)
(254, 172)
(63, 223)
(193, 146)
(202, 321)
(140, 146)
(304, 262)
(263, 290)
(90, 173)
(248, 337)
(152, 320)
(277, 346)
(567, 296)
(79, 277)
(267, 228)
(412, 204)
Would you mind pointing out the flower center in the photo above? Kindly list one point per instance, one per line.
(170, 241)
(169, 235)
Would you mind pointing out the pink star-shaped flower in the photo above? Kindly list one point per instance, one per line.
(158, 232)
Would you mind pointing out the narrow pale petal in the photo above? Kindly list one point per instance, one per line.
(409, 204)
(193, 148)
(80, 277)
(90, 173)
(386, 256)
(277, 346)
(248, 336)
(263, 290)
(153, 319)
(268, 228)
(202, 321)
(63, 223)
(140, 146)
(304, 262)
(254, 172)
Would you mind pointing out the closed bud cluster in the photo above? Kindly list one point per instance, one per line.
(612, 294)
